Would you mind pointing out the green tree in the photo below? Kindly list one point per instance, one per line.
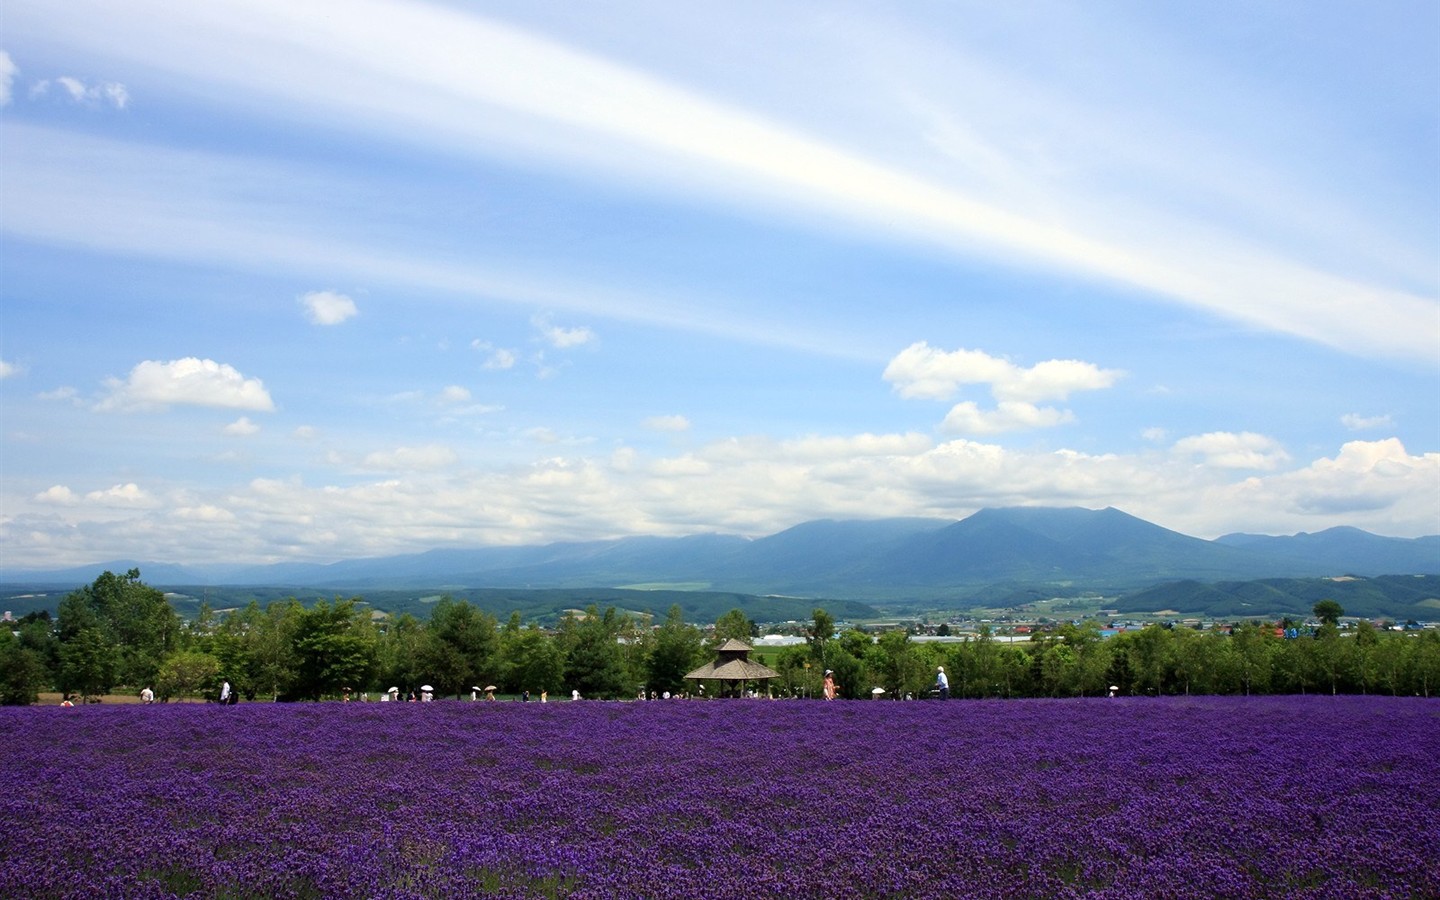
(1426, 663)
(899, 667)
(536, 662)
(593, 661)
(461, 649)
(1251, 652)
(849, 674)
(134, 619)
(88, 663)
(335, 648)
(798, 675)
(399, 653)
(734, 624)
(1391, 663)
(677, 650)
(1191, 660)
(1059, 667)
(819, 636)
(22, 672)
(1328, 612)
(187, 673)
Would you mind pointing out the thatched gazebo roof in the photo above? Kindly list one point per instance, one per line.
(732, 664)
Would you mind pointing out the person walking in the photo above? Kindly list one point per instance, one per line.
(831, 689)
(147, 696)
(942, 683)
(224, 693)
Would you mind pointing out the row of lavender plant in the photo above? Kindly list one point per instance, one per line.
(1205, 797)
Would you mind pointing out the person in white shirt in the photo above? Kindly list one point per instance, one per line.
(147, 696)
(942, 683)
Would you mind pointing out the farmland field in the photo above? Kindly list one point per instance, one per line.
(1176, 797)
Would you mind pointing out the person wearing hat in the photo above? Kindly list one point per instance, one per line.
(942, 683)
(830, 687)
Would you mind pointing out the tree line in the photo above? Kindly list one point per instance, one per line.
(121, 634)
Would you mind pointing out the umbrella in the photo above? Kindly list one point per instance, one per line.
(393, 690)
(474, 688)
(877, 691)
(490, 687)
(426, 687)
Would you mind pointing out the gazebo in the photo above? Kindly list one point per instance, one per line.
(732, 667)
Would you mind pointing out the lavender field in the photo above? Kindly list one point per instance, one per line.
(1204, 797)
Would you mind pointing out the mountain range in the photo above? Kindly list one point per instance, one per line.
(887, 559)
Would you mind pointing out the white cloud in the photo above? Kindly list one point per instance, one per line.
(925, 372)
(205, 513)
(1155, 434)
(1356, 422)
(1229, 450)
(753, 486)
(8, 71)
(921, 371)
(454, 394)
(58, 494)
(667, 423)
(328, 307)
(562, 338)
(500, 359)
(1008, 415)
(111, 92)
(409, 459)
(128, 494)
(62, 394)
(188, 382)
(241, 427)
(8, 369)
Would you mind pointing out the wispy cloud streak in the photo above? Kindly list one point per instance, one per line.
(467, 84)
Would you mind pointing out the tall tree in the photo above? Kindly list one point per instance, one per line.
(335, 648)
(678, 648)
(593, 661)
(462, 647)
(22, 672)
(734, 624)
(819, 635)
(134, 619)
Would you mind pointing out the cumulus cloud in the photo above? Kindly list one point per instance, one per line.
(8, 369)
(667, 423)
(753, 486)
(1356, 422)
(8, 71)
(58, 494)
(328, 307)
(241, 427)
(205, 513)
(186, 382)
(562, 338)
(119, 495)
(430, 456)
(921, 371)
(1008, 415)
(924, 372)
(1229, 450)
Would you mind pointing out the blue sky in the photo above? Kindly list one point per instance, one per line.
(312, 281)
